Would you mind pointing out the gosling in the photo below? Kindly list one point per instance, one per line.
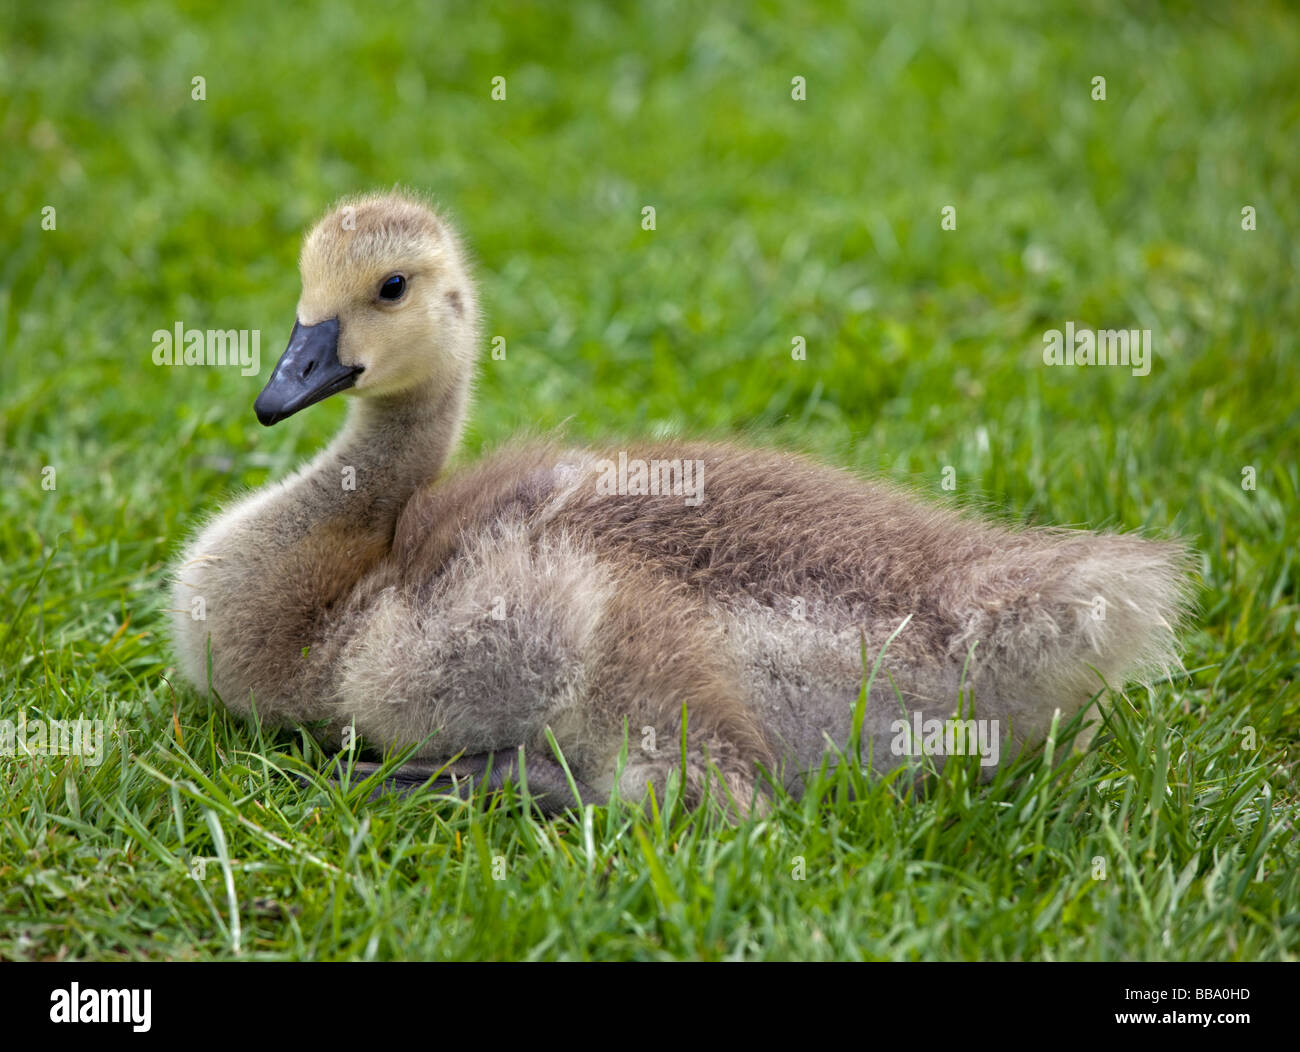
(607, 595)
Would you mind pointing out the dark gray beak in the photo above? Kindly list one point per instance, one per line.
(308, 372)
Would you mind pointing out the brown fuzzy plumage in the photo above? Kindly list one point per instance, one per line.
(473, 611)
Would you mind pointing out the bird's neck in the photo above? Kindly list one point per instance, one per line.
(335, 519)
(387, 449)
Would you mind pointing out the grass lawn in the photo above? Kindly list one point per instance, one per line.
(1173, 837)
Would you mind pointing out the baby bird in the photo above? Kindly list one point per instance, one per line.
(608, 595)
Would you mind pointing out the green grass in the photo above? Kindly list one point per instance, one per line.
(775, 219)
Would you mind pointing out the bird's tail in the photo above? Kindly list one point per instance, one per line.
(1058, 615)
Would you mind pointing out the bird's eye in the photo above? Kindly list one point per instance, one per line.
(392, 288)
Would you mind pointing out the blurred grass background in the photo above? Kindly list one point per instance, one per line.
(775, 219)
